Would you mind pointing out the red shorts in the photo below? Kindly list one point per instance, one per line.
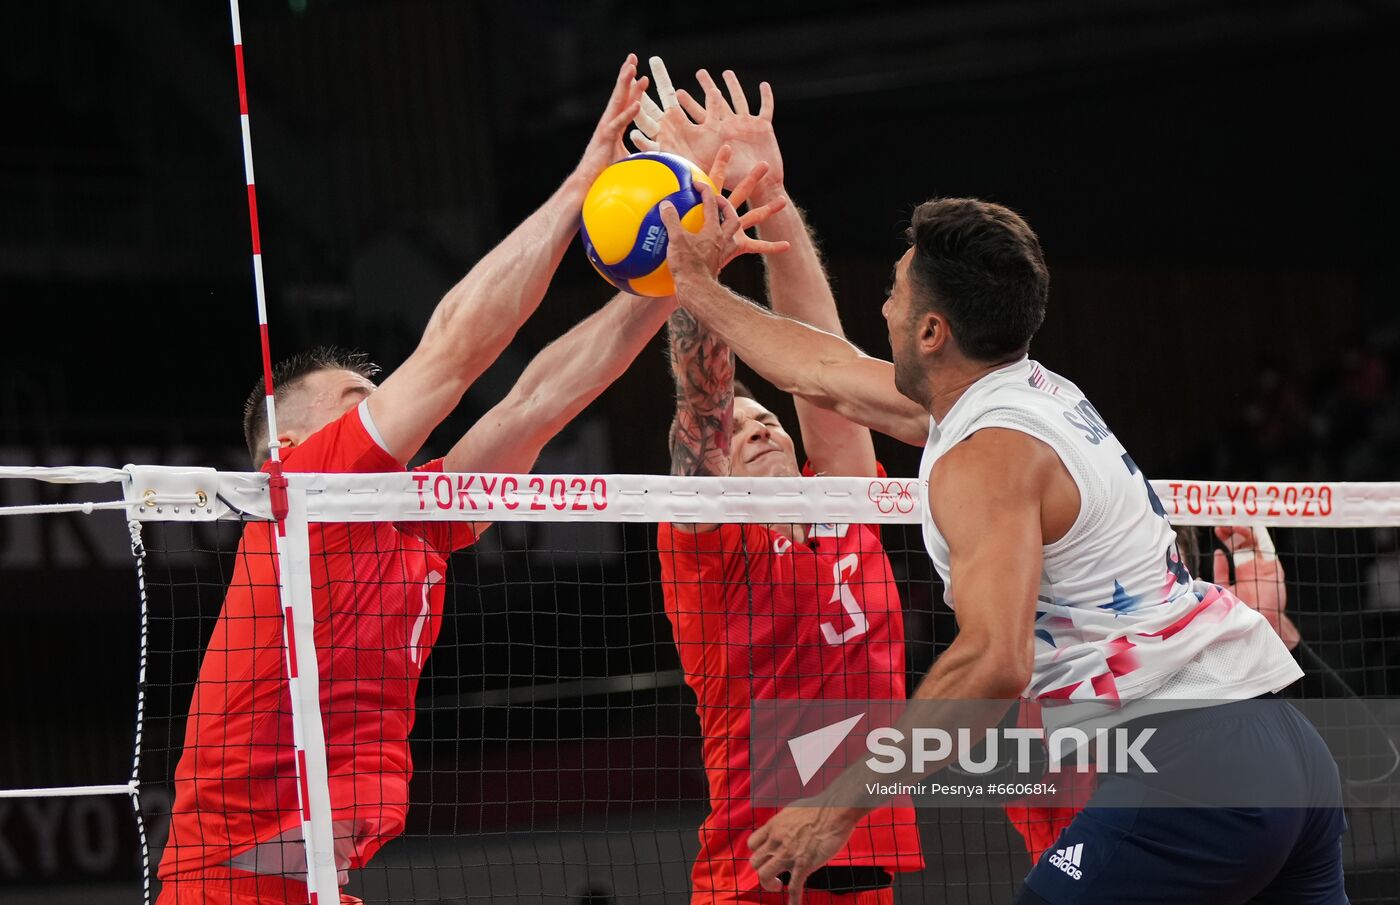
(226, 886)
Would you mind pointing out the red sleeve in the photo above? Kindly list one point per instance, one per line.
(345, 446)
(443, 537)
(807, 471)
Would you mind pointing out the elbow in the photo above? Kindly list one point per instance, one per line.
(446, 361)
(1000, 668)
(1008, 683)
(543, 410)
(806, 383)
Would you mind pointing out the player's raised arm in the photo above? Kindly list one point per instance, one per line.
(558, 384)
(573, 370)
(701, 364)
(797, 358)
(479, 316)
(797, 283)
(703, 368)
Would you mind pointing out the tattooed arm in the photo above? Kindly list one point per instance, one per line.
(703, 368)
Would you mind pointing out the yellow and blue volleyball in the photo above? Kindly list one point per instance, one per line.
(622, 230)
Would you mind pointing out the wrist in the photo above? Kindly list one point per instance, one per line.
(844, 818)
(692, 277)
(576, 185)
(768, 190)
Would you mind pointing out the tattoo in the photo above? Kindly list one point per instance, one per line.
(703, 368)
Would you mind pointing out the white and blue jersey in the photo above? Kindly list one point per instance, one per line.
(1118, 617)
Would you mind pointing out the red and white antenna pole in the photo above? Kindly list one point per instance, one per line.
(279, 482)
(293, 560)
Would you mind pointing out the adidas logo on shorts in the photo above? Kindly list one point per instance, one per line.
(1067, 860)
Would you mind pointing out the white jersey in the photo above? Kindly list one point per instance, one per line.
(1118, 616)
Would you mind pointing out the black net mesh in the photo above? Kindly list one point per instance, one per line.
(556, 749)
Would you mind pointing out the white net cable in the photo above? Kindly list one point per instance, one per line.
(138, 553)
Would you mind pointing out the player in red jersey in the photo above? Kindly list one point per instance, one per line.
(770, 611)
(235, 835)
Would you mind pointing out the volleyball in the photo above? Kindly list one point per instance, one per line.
(622, 231)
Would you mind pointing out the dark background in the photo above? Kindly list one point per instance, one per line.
(1213, 184)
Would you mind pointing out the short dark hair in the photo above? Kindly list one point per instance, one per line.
(980, 265)
(287, 375)
(742, 391)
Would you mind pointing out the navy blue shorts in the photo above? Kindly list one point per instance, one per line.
(1119, 851)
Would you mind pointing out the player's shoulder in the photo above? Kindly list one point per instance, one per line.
(993, 456)
(350, 443)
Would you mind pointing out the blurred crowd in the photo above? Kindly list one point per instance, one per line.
(1339, 423)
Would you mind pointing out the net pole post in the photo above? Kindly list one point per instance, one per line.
(303, 678)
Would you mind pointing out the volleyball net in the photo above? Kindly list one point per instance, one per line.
(553, 749)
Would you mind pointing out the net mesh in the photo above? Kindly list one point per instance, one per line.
(557, 754)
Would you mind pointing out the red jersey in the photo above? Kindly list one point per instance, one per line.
(377, 589)
(758, 617)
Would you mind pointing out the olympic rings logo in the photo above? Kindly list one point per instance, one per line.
(892, 496)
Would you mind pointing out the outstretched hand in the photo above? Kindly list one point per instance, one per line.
(681, 125)
(721, 237)
(606, 147)
(1259, 579)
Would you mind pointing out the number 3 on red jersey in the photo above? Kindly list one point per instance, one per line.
(842, 572)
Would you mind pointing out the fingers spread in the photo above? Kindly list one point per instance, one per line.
(757, 215)
(623, 86)
(617, 124)
(728, 217)
(765, 101)
(746, 185)
(641, 142)
(665, 91)
(651, 113)
(766, 247)
(645, 125)
(693, 108)
(737, 100)
(715, 105)
(707, 200)
(719, 170)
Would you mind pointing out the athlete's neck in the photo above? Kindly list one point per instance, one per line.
(948, 383)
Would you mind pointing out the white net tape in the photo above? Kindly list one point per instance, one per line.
(156, 493)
